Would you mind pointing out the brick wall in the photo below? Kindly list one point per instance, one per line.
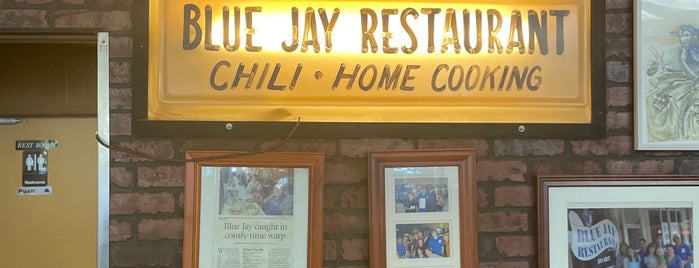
(147, 196)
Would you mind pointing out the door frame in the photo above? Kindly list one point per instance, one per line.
(103, 152)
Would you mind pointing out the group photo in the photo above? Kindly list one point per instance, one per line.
(630, 238)
(422, 195)
(430, 240)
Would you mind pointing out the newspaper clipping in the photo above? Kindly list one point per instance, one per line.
(250, 222)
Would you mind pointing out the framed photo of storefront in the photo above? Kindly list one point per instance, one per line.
(423, 208)
(253, 209)
(666, 46)
(606, 221)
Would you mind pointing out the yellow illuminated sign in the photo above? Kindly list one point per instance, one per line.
(379, 61)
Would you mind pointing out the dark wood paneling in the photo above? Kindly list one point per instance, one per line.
(44, 79)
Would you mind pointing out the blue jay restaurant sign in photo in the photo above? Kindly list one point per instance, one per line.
(595, 244)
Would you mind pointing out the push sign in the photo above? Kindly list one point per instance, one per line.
(35, 161)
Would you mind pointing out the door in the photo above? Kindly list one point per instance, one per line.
(58, 229)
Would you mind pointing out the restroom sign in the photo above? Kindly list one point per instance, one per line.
(35, 161)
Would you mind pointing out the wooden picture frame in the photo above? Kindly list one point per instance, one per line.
(253, 209)
(452, 226)
(666, 106)
(606, 214)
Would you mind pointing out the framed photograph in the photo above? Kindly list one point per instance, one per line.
(423, 208)
(609, 221)
(666, 49)
(258, 210)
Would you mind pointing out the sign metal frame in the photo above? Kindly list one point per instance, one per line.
(142, 125)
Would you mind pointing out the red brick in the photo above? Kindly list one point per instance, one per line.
(619, 22)
(120, 46)
(134, 203)
(38, 2)
(160, 176)
(121, 3)
(290, 145)
(515, 246)
(482, 198)
(329, 250)
(121, 177)
(529, 147)
(71, 18)
(501, 170)
(120, 98)
(119, 231)
(342, 223)
(619, 96)
(656, 167)
(73, 2)
(360, 147)
(354, 171)
(503, 222)
(116, 20)
(689, 167)
(119, 72)
(144, 254)
(237, 145)
(157, 149)
(327, 147)
(619, 4)
(354, 198)
(619, 120)
(330, 199)
(619, 71)
(355, 249)
(615, 145)
(563, 167)
(15, 18)
(151, 229)
(180, 200)
(481, 146)
(619, 167)
(119, 124)
(485, 246)
(619, 46)
(515, 196)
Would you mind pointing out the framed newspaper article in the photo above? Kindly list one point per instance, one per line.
(666, 46)
(617, 221)
(423, 208)
(257, 210)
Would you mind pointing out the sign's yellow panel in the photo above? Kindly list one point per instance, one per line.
(524, 61)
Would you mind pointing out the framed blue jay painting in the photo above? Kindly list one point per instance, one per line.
(666, 49)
